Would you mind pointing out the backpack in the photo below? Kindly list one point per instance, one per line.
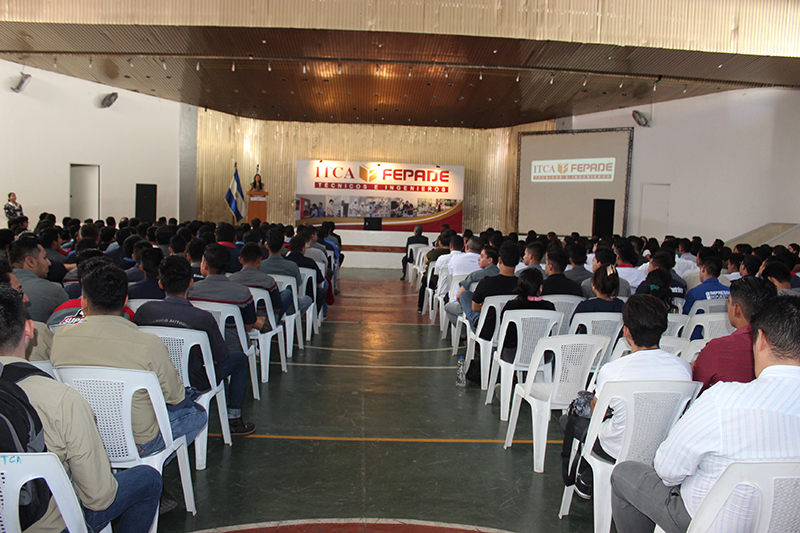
(21, 432)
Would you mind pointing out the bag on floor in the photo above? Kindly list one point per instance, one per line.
(474, 371)
(21, 432)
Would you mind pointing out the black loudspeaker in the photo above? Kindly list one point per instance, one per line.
(146, 202)
(603, 218)
(373, 224)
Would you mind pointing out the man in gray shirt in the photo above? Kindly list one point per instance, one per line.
(488, 264)
(275, 264)
(30, 266)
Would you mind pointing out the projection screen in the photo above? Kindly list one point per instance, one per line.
(562, 174)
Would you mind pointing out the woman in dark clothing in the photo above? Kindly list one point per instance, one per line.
(529, 288)
(658, 283)
(605, 282)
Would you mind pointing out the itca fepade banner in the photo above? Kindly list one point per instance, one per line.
(402, 194)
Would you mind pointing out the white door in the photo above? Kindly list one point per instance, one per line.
(654, 218)
(84, 191)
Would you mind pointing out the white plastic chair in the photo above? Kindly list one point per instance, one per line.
(312, 317)
(693, 350)
(676, 322)
(679, 303)
(419, 265)
(566, 304)
(473, 336)
(109, 391)
(574, 357)
(776, 484)
(606, 324)
(18, 469)
(714, 325)
(221, 313)
(293, 321)
(621, 349)
(531, 325)
(709, 306)
(179, 343)
(264, 340)
(136, 303)
(411, 272)
(444, 324)
(45, 366)
(673, 345)
(652, 408)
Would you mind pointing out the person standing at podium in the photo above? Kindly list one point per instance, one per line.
(256, 185)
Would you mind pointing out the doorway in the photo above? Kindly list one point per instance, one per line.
(654, 217)
(84, 191)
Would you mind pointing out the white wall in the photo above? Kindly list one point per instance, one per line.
(57, 120)
(732, 160)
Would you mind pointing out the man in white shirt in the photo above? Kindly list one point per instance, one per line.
(442, 267)
(466, 263)
(756, 421)
(626, 256)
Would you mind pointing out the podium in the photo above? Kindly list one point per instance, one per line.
(257, 205)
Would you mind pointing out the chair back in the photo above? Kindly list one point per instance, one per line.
(693, 350)
(308, 273)
(492, 302)
(285, 281)
(714, 325)
(136, 303)
(606, 324)
(454, 281)
(531, 325)
(673, 345)
(679, 303)
(675, 324)
(776, 507)
(652, 408)
(179, 343)
(412, 250)
(565, 304)
(709, 306)
(45, 366)
(17, 469)
(574, 357)
(261, 296)
(109, 391)
(222, 312)
(621, 349)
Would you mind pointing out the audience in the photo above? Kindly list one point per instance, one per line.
(529, 296)
(557, 282)
(149, 288)
(487, 263)
(603, 257)
(30, 266)
(276, 264)
(710, 288)
(605, 284)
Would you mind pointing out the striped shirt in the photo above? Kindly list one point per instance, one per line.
(756, 421)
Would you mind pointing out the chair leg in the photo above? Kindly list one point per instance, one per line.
(310, 321)
(201, 449)
(456, 336)
(264, 346)
(222, 408)
(282, 349)
(186, 479)
(566, 501)
(512, 422)
(540, 414)
(486, 361)
(299, 325)
(153, 526)
(506, 385)
(289, 326)
(601, 497)
(492, 382)
(251, 358)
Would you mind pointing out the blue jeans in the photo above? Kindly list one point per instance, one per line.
(466, 305)
(236, 367)
(136, 502)
(188, 421)
(287, 303)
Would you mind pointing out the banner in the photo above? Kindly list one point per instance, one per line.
(595, 169)
(360, 189)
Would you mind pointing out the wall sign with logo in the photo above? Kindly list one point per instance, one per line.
(597, 169)
(417, 194)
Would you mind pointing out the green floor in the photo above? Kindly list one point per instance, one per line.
(319, 448)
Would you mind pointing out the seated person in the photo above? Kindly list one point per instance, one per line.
(105, 338)
(503, 283)
(297, 248)
(726, 423)
(252, 276)
(532, 258)
(226, 236)
(710, 288)
(176, 311)
(130, 496)
(441, 247)
(605, 284)
(644, 320)
(135, 273)
(30, 264)
(417, 238)
(528, 291)
(730, 358)
(603, 257)
(626, 257)
(557, 282)
(218, 288)
(665, 261)
(780, 276)
(40, 344)
(693, 278)
(658, 283)
(577, 259)
(487, 261)
(149, 288)
(442, 268)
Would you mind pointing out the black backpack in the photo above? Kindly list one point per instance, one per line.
(21, 432)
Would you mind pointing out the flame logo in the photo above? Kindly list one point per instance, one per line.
(562, 168)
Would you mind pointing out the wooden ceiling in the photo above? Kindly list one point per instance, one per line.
(381, 77)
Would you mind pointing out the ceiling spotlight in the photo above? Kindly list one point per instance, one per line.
(164, 64)
(620, 84)
(480, 75)
(269, 66)
(198, 66)
(409, 72)
(685, 88)
(655, 84)
(55, 62)
(445, 72)
(552, 78)
(90, 62)
(109, 100)
(305, 69)
(340, 69)
(130, 63)
(517, 77)
(233, 66)
(585, 81)
(22, 83)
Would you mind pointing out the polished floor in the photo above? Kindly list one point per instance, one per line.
(368, 423)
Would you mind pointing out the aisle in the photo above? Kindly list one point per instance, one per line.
(368, 423)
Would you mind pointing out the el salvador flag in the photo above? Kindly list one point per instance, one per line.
(235, 198)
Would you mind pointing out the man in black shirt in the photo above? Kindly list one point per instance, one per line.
(417, 238)
(504, 283)
(557, 282)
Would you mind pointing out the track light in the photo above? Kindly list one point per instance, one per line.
(585, 81)
(445, 72)
(198, 66)
(620, 84)
(55, 62)
(130, 63)
(22, 83)
(269, 66)
(164, 64)
(340, 69)
(517, 77)
(90, 62)
(409, 72)
(480, 75)
(552, 78)
(305, 69)
(233, 66)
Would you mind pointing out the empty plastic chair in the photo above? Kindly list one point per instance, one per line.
(179, 343)
(574, 357)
